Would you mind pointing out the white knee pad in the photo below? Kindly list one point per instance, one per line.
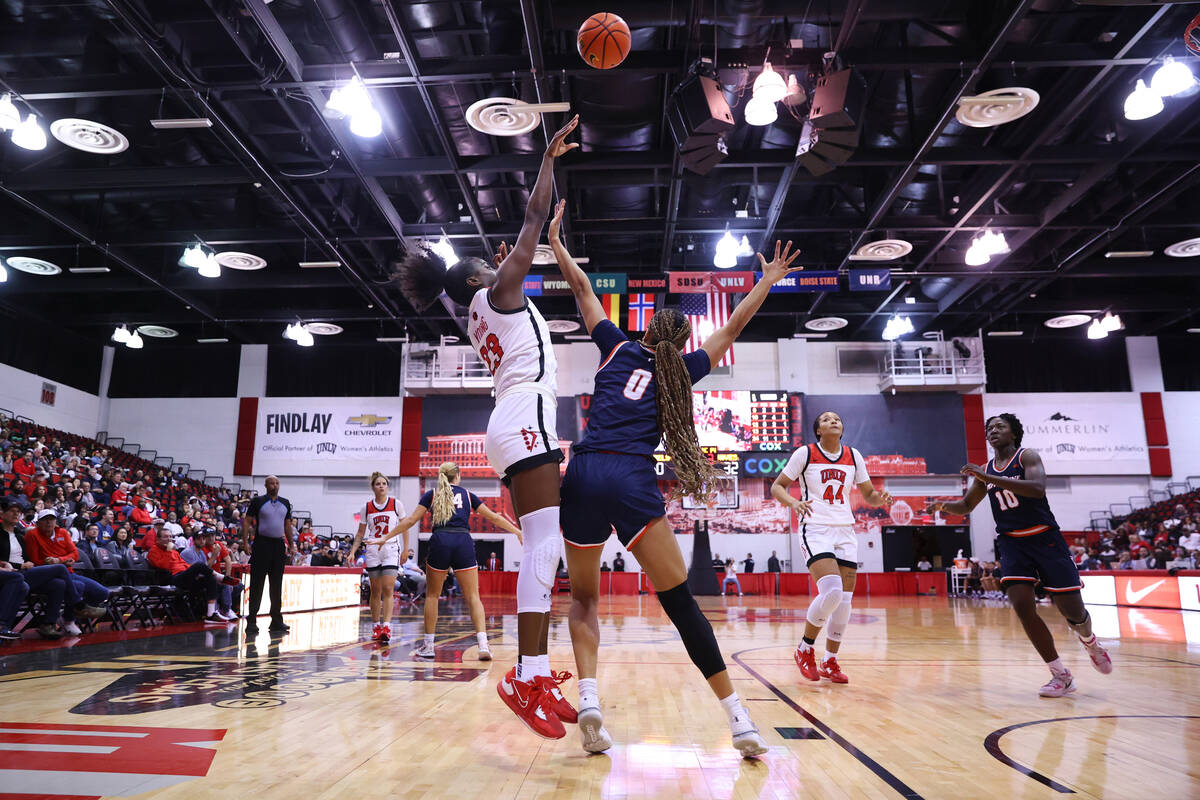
(839, 618)
(539, 560)
(829, 595)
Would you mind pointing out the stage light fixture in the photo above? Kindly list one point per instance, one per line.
(744, 248)
(769, 85)
(135, 341)
(1111, 322)
(10, 117)
(1172, 78)
(1096, 330)
(29, 134)
(760, 111)
(726, 252)
(348, 99)
(121, 335)
(1142, 103)
(445, 251)
(211, 268)
(366, 124)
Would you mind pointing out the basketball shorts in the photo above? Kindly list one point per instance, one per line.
(1041, 558)
(603, 491)
(829, 541)
(521, 434)
(451, 550)
(377, 559)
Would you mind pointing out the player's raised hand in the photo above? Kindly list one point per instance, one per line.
(556, 220)
(501, 254)
(781, 264)
(557, 145)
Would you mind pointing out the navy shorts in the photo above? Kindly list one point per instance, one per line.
(1039, 558)
(603, 491)
(451, 550)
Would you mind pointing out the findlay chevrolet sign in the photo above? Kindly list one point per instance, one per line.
(327, 436)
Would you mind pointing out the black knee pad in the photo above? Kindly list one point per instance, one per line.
(694, 629)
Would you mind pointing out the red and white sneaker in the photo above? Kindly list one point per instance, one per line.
(385, 633)
(1099, 656)
(530, 704)
(806, 661)
(1060, 685)
(376, 631)
(554, 698)
(829, 669)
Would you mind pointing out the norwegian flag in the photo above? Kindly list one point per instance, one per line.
(641, 309)
(706, 313)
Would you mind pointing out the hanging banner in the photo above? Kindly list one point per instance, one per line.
(327, 435)
(705, 282)
(608, 282)
(532, 286)
(1080, 433)
(554, 285)
(807, 281)
(870, 280)
(647, 284)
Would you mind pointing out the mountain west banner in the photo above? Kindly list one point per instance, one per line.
(1080, 433)
(343, 436)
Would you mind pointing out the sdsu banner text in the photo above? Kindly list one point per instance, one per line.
(1080, 433)
(327, 436)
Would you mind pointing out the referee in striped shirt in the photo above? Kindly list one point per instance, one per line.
(271, 550)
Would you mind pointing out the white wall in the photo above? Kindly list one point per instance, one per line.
(201, 431)
(73, 411)
(1182, 413)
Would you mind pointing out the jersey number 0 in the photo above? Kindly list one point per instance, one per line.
(638, 383)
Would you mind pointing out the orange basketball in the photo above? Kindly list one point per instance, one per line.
(603, 40)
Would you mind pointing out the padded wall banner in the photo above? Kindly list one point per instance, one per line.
(327, 436)
(1080, 433)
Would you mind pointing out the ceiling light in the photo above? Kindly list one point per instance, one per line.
(3, 274)
(87, 270)
(744, 248)
(1193, 330)
(1067, 321)
(398, 338)
(1142, 102)
(896, 327)
(348, 99)
(29, 134)
(1096, 330)
(193, 257)
(121, 335)
(291, 331)
(1006, 333)
(1111, 322)
(984, 246)
(578, 337)
(181, 123)
(9, 116)
(725, 255)
(795, 92)
(212, 341)
(304, 338)
(445, 251)
(1172, 78)
(366, 123)
(760, 111)
(211, 268)
(320, 264)
(135, 341)
(809, 335)
(769, 86)
(976, 257)
(910, 300)
(1129, 254)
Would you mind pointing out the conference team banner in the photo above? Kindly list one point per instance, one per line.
(327, 436)
(1080, 433)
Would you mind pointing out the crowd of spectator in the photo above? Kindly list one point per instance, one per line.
(1163, 536)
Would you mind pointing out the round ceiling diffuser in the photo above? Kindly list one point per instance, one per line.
(885, 249)
(542, 254)
(88, 136)
(157, 331)
(500, 116)
(231, 259)
(323, 328)
(989, 109)
(34, 266)
(1068, 321)
(825, 324)
(1188, 248)
(562, 325)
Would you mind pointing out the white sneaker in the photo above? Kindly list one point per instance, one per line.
(71, 629)
(749, 743)
(485, 652)
(229, 615)
(591, 728)
(1059, 686)
(424, 650)
(1100, 657)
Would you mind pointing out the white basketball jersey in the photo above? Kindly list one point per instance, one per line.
(381, 519)
(515, 344)
(826, 481)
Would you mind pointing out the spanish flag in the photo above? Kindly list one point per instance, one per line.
(612, 307)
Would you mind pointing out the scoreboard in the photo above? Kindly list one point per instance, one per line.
(770, 421)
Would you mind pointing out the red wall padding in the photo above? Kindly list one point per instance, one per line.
(410, 438)
(1152, 407)
(243, 453)
(1160, 462)
(973, 426)
(1156, 432)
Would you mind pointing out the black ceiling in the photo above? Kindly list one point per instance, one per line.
(273, 177)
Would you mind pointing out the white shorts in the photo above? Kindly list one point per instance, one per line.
(824, 541)
(522, 433)
(386, 557)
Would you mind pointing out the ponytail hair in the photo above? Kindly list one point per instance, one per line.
(443, 495)
(423, 275)
(376, 476)
(697, 477)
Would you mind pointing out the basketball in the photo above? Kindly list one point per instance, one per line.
(603, 40)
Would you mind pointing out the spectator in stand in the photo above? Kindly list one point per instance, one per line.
(13, 590)
(24, 467)
(86, 499)
(748, 564)
(1190, 542)
(120, 497)
(107, 526)
(207, 550)
(773, 563)
(16, 494)
(241, 554)
(121, 545)
(140, 514)
(1140, 557)
(924, 565)
(618, 563)
(1124, 561)
(5, 462)
(409, 569)
(198, 577)
(604, 567)
(50, 544)
(90, 542)
(493, 563)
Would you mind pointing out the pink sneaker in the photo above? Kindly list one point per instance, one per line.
(1059, 686)
(1099, 656)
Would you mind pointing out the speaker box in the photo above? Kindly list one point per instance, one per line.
(839, 100)
(698, 118)
(820, 151)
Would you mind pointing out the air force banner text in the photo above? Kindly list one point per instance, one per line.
(327, 435)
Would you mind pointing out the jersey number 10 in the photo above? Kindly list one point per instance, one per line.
(1006, 499)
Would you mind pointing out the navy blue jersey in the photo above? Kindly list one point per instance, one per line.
(1016, 515)
(624, 415)
(464, 503)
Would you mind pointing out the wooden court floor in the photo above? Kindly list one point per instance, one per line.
(942, 704)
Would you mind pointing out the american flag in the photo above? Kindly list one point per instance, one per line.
(706, 313)
(641, 309)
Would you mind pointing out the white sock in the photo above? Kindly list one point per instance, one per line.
(1056, 667)
(526, 668)
(480, 637)
(429, 640)
(589, 695)
(212, 607)
(827, 656)
(543, 665)
(739, 720)
(1091, 640)
(805, 647)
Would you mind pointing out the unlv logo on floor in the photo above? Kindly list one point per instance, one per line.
(82, 762)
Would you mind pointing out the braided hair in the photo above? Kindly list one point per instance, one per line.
(1017, 428)
(423, 275)
(697, 477)
(443, 495)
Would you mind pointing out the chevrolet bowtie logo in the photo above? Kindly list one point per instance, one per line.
(368, 420)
